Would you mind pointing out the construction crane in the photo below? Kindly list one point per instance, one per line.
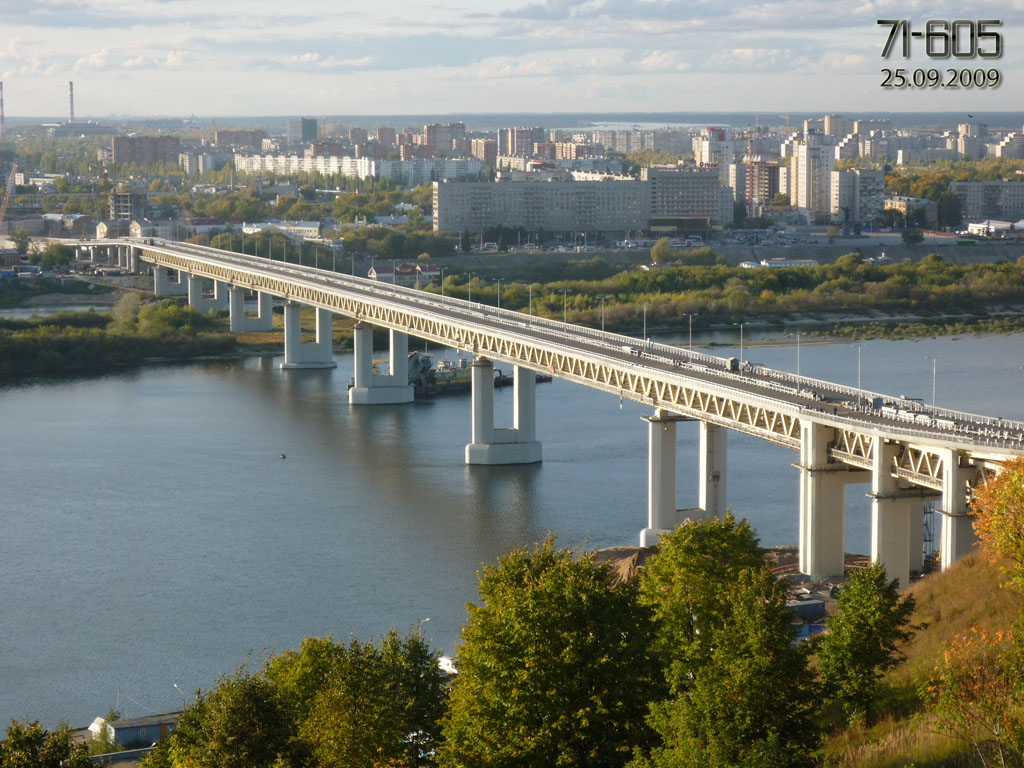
(8, 192)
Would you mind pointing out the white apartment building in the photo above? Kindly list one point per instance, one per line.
(990, 199)
(857, 195)
(685, 190)
(606, 207)
(609, 206)
(408, 172)
(810, 176)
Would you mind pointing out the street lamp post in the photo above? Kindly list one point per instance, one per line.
(499, 293)
(798, 353)
(741, 343)
(470, 285)
(531, 298)
(690, 315)
(565, 305)
(602, 312)
(393, 281)
(644, 307)
(442, 282)
(934, 368)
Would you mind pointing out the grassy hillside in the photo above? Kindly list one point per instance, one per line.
(950, 603)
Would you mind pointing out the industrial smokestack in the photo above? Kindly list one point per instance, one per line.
(71, 99)
(1, 111)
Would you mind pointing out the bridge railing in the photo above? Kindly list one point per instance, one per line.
(986, 430)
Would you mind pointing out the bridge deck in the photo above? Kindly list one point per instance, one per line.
(760, 401)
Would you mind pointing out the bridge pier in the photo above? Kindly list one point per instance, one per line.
(200, 302)
(712, 469)
(388, 389)
(163, 286)
(957, 538)
(515, 445)
(822, 503)
(264, 319)
(132, 260)
(896, 534)
(313, 354)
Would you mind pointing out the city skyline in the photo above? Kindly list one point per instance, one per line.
(182, 57)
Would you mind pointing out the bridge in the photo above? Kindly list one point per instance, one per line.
(907, 451)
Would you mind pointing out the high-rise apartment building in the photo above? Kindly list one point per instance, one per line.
(810, 175)
(144, 149)
(857, 195)
(486, 150)
(302, 130)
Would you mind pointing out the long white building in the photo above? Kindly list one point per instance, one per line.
(408, 172)
(609, 206)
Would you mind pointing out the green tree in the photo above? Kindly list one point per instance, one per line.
(22, 239)
(554, 668)
(863, 639)
(241, 723)
(29, 745)
(364, 703)
(780, 199)
(685, 585)
(660, 251)
(53, 255)
(751, 704)
(912, 236)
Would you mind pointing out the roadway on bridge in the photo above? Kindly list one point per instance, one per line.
(796, 394)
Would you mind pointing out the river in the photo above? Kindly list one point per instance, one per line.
(151, 533)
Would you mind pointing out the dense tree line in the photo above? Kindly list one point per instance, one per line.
(85, 340)
(563, 662)
(691, 282)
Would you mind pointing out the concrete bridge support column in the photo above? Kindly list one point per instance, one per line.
(822, 505)
(957, 530)
(515, 445)
(133, 260)
(663, 515)
(196, 299)
(313, 354)
(892, 537)
(385, 389)
(712, 469)
(163, 286)
(263, 321)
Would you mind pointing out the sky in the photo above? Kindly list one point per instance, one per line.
(338, 57)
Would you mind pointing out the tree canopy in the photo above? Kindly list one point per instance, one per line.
(554, 667)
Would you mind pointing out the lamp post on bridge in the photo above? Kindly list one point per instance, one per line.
(469, 285)
(934, 369)
(499, 293)
(602, 298)
(565, 305)
(690, 315)
(644, 308)
(798, 353)
(741, 343)
(442, 282)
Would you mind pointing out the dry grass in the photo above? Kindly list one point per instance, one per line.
(949, 603)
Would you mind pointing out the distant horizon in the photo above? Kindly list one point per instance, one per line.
(567, 119)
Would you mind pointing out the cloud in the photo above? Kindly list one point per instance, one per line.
(95, 60)
(137, 63)
(662, 61)
(175, 59)
(301, 58)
